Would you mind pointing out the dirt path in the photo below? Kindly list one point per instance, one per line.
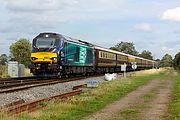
(148, 102)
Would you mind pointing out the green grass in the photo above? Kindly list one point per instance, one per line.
(88, 103)
(128, 114)
(149, 96)
(175, 103)
(3, 71)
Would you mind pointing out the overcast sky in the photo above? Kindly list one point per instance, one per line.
(152, 25)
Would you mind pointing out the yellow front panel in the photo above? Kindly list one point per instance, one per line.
(44, 57)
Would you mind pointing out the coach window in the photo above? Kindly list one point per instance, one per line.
(122, 58)
(100, 54)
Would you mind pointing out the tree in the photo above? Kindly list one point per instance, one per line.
(146, 54)
(166, 61)
(125, 47)
(3, 59)
(157, 60)
(21, 51)
(177, 61)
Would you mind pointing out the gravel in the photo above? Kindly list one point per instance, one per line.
(43, 91)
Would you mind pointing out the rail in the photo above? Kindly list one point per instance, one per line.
(36, 104)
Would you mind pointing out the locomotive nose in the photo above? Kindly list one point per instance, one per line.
(44, 57)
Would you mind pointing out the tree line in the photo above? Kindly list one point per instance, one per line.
(166, 61)
(21, 51)
(129, 48)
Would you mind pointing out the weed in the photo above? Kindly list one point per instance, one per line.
(174, 107)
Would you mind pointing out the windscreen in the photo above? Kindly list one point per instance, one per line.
(45, 42)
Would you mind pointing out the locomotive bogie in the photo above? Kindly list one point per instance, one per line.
(42, 69)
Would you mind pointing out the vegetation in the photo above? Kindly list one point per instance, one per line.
(3, 59)
(21, 51)
(166, 61)
(3, 71)
(89, 102)
(177, 61)
(125, 47)
(175, 103)
(129, 48)
(146, 54)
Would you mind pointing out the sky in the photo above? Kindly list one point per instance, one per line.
(152, 25)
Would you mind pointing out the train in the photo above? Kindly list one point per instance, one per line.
(58, 55)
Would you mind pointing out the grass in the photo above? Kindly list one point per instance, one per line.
(149, 96)
(174, 107)
(88, 103)
(3, 71)
(27, 72)
(128, 114)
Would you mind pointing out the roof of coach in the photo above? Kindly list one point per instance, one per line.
(109, 50)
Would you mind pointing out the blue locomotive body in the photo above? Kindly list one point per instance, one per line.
(54, 54)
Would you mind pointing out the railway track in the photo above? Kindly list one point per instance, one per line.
(21, 107)
(9, 85)
(18, 85)
(20, 78)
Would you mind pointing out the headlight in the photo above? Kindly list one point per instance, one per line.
(54, 58)
(33, 58)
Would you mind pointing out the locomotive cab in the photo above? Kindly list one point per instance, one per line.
(45, 56)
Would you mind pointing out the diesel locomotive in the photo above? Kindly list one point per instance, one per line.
(58, 55)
